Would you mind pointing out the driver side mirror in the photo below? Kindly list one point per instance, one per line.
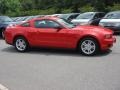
(58, 28)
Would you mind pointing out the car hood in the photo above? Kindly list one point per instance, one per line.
(8, 23)
(93, 28)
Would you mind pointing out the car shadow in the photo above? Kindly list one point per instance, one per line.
(57, 52)
(1, 38)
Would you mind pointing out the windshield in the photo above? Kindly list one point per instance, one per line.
(21, 18)
(112, 16)
(66, 23)
(86, 16)
(65, 16)
(5, 19)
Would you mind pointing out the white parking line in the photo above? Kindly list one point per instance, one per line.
(3, 87)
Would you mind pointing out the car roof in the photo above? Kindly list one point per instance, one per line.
(46, 17)
(114, 12)
(93, 12)
(3, 16)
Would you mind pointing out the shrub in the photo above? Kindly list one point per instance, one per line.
(87, 8)
(115, 7)
(67, 10)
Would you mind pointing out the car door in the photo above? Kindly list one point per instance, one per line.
(49, 35)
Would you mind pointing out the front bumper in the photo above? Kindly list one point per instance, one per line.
(108, 43)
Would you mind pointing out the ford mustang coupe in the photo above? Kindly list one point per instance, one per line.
(53, 32)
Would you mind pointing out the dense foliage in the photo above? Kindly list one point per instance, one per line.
(35, 7)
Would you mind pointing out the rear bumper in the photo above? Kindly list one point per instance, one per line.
(108, 43)
(8, 38)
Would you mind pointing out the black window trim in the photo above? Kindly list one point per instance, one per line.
(25, 23)
(49, 20)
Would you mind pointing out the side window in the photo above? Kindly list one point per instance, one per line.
(46, 24)
(99, 15)
(51, 24)
(73, 16)
(27, 24)
(113, 16)
(39, 24)
(96, 16)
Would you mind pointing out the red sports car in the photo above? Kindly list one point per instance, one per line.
(53, 32)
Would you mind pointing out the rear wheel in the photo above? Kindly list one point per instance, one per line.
(21, 44)
(88, 46)
(2, 31)
(3, 35)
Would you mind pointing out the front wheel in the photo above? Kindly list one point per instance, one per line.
(88, 46)
(21, 44)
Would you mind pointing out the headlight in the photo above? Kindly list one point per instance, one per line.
(108, 36)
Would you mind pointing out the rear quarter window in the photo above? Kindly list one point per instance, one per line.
(27, 24)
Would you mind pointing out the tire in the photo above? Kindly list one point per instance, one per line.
(21, 44)
(88, 46)
(2, 33)
(2, 30)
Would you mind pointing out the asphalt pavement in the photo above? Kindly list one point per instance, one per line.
(48, 69)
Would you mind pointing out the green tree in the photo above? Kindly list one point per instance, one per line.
(87, 8)
(10, 6)
(114, 7)
(27, 4)
(99, 5)
(32, 7)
